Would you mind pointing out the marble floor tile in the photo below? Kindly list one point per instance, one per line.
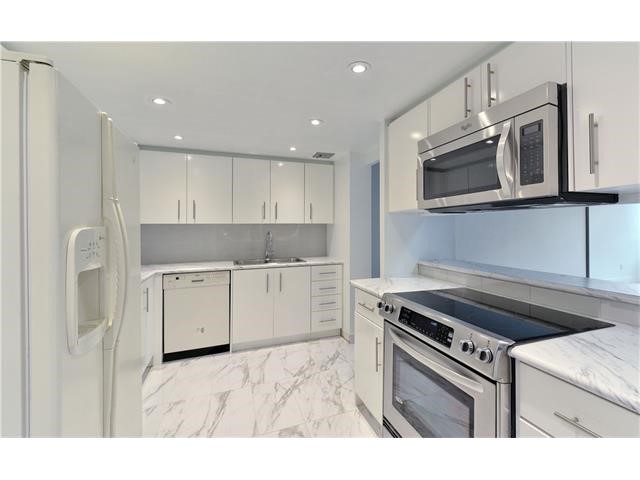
(275, 406)
(297, 431)
(349, 424)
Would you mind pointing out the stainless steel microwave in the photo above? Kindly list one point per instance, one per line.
(512, 155)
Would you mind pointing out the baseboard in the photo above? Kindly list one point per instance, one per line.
(271, 342)
(373, 423)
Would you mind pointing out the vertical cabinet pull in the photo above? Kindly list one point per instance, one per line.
(178, 211)
(310, 211)
(146, 307)
(267, 282)
(276, 210)
(378, 365)
(490, 97)
(194, 210)
(592, 143)
(280, 281)
(467, 86)
(264, 210)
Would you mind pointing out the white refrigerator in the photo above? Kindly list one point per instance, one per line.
(70, 355)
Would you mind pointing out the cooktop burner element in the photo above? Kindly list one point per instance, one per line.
(512, 319)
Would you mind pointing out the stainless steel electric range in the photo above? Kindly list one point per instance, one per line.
(447, 372)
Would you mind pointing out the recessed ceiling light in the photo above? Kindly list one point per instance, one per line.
(489, 141)
(280, 164)
(177, 137)
(293, 149)
(416, 135)
(160, 101)
(359, 67)
(315, 122)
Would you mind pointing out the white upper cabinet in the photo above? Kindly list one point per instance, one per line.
(287, 192)
(209, 189)
(520, 67)
(606, 127)
(402, 157)
(251, 187)
(318, 191)
(457, 101)
(163, 187)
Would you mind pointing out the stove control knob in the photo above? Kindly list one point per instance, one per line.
(467, 346)
(484, 355)
(388, 308)
(380, 304)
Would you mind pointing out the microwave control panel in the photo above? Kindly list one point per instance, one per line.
(426, 326)
(531, 154)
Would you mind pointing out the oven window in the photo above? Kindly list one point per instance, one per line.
(433, 406)
(465, 170)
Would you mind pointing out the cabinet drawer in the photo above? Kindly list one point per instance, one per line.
(367, 306)
(564, 410)
(325, 287)
(326, 320)
(528, 430)
(326, 272)
(327, 302)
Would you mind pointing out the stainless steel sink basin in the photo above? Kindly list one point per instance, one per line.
(264, 261)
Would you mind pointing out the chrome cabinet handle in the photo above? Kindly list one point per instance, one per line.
(575, 421)
(267, 282)
(276, 210)
(371, 309)
(264, 210)
(378, 365)
(328, 303)
(467, 86)
(327, 273)
(146, 308)
(178, 211)
(490, 97)
(327, 288)
(194, 210)
(327, 320)
(280, 281)
(505, 175)
(592, 143)
(310, 211)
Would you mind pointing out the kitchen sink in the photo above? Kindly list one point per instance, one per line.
(265, 261)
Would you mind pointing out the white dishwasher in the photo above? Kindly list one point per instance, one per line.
(195, 314)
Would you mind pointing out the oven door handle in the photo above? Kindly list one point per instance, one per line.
(406, 343)
(505, 172)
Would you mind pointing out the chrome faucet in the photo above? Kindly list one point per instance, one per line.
(268, 253)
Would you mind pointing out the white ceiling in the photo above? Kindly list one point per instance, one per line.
(257, 98)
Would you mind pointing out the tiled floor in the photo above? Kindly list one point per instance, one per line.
(297, 390)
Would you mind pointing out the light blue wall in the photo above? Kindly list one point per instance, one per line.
(547, 240)
(375, 220)
(614, 242)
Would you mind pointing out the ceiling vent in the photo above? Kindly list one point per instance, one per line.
(323, 155)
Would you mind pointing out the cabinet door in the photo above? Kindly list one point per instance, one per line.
(368, 364)
(521, 67)
(163, 187)
(456, 101)
(402, 157)
(252, 299)
(209, 189)
(251, 187)
(287, 192)
(606, 80)
(318, 191)
(292, 310)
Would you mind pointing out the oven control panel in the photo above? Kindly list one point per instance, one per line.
(531, 154)
(426, 326)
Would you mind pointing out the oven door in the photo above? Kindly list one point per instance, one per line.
(477, 168)
(426, 394)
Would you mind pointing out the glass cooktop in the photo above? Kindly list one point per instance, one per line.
(512, 319)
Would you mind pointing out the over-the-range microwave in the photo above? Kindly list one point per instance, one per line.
(512, 155)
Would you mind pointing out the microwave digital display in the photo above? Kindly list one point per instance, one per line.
(531, 154)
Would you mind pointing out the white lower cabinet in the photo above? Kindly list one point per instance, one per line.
(270, 303)
(368, 364)
(147, 323)
(548, 406)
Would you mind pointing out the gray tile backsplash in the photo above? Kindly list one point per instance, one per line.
(193, 243)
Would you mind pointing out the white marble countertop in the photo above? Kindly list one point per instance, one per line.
(605, 362)
(622, 292)
(147, 271)
(380, 286)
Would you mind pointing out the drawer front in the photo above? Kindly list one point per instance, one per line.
(325, 287)
(328, 302)
(326, 272)
(528, 430)
(564, 410)
(326, 320)
(367, 306)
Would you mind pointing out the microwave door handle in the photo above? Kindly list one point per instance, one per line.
(505, 173)
(448, 374)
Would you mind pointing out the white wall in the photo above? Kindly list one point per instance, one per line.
(547, 240)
